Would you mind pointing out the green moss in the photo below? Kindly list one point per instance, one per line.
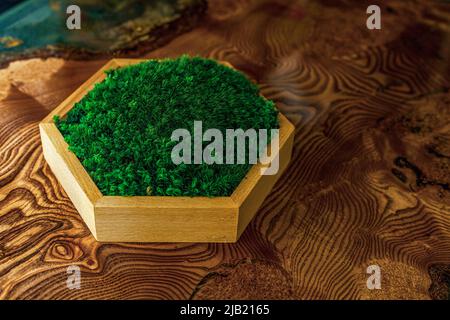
(121, 129)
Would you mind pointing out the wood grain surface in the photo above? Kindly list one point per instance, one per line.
(368, 182)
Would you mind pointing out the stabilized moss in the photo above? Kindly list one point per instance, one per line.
(121, 129)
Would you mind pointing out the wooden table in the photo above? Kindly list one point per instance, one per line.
(368, 183)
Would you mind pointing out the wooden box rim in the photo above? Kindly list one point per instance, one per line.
(100, 200)
(156, 218)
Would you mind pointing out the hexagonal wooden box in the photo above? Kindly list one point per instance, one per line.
(154, 218)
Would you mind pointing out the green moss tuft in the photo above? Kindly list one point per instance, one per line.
(121, 129)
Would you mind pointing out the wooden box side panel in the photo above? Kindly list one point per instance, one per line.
(251, 193)
(160, 222)
(70, 173)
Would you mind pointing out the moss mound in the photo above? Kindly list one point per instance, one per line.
(121, 129)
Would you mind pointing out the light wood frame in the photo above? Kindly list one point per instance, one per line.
(154, 218)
